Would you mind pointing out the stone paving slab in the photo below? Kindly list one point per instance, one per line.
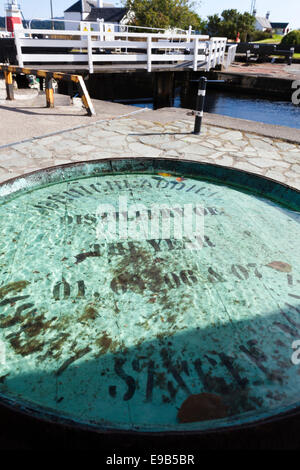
(131, 137)
(27, 118)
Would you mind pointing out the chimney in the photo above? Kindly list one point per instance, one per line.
(268, 15)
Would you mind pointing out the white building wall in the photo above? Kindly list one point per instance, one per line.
(258, 27)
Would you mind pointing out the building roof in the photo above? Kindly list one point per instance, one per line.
(264, 22)
(77, 7)
(84, 6)
(279, 25)
(109, 15)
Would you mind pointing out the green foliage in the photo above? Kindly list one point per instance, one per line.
(230, 23)
(214, 25)
(259, 36)
(292, 38)
(164, 14)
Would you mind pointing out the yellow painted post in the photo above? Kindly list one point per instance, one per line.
(9, 85)
(49, 92)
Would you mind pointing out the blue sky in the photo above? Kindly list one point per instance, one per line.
(288, 10)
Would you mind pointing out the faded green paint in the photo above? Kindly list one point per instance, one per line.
(121, 333)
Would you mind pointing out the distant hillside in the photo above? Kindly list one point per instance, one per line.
(36, 24)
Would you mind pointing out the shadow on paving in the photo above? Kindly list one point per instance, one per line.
(32, 113)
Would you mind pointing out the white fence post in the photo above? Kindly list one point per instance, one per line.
(222, 56)
(225, 62)
(230, 56)
(189, 34)
(149, 52)
(228, 59)
(215, 52)
(208, 64)
(195, 63)
(90, 53)
(19, 49)
(219, 52)
(234, 49)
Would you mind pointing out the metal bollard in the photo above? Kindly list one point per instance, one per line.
(49, 92)
(200, 104)
(9, 85)
(202, 83)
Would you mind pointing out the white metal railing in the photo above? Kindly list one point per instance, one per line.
(122, 27)
(127, 27)
(231, 53)
(216, 52)
(91, 48)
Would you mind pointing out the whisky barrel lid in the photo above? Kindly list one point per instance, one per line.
(149, 295)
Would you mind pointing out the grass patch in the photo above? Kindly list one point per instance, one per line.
(278, 56)
(276, 39)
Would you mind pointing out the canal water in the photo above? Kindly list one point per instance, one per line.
(282, 113)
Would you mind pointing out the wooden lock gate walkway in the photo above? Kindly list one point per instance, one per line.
(9, 70)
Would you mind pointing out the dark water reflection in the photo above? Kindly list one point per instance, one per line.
(282, 113)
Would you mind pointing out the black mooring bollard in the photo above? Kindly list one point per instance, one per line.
(200, 104)
(202, 83)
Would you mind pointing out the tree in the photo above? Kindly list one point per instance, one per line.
(214, 26)
(230, 24)
(246, 25)
(291, 39)
(164, 14)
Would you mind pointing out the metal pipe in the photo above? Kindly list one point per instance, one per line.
(51, 7)
(211, 81)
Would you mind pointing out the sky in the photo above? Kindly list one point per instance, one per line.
(288, 10)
